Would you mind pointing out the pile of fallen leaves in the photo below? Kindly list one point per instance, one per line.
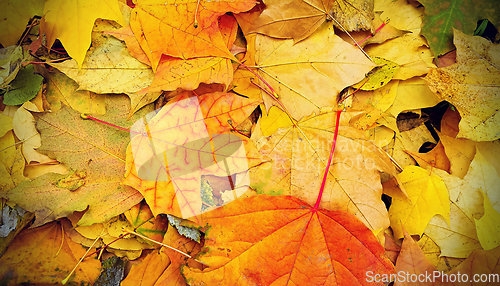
(246, 143)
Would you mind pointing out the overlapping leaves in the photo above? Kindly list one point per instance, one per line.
(190, 27)
(299, 156)
(195, 158)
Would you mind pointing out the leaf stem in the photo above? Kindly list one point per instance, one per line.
(81, 259)
(371, 35)
(159, 243)
(230, 122)
(257, 75)
(195, 24)
(337, 123)
(100, 249)
(83, 116)
(363, 51)
(47, 62)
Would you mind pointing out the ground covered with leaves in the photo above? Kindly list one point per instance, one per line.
(196, 142)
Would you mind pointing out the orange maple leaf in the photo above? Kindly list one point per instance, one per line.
(183, 29)
(281, 240)
(187, 74)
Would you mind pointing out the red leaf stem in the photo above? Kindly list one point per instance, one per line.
(371, 35)
(104, 122)
(337, 123)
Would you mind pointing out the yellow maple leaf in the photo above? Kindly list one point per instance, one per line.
(459, 238)
(184, 29)
(72, 21)
(14, 16)
(401, 14)
(427, 197)
(274, 120)
(414, 60)
(487, 227)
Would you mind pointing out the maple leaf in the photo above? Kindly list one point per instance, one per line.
(133, 46)
(174, 73)
(378, 77)
(307, 75)
(46, 255)
(292, 19)
(294, 245)
(194, 157)
(488, 230)
(24, 129)
(12, 163)
(400, 14)
(169, 152)
(355, 15)
(384, 32)
(5, 124)
(460, 152)
(184, 29)
(427, 196)
(109, 68)
(97, 155)
(441, 18)
(72, 23)
(144, 222)
(459, 238)
(373, 105)
(449, 122)
(412, 262)
(481, 262)
(412, 94)
(63, 90)
(111, 233)
(298, 19)
(471, 86)
(299, 154)
(414, 60)
(432, 252)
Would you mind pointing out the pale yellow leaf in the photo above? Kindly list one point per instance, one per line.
(25, 130)
(459, 238)
(307, 75)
